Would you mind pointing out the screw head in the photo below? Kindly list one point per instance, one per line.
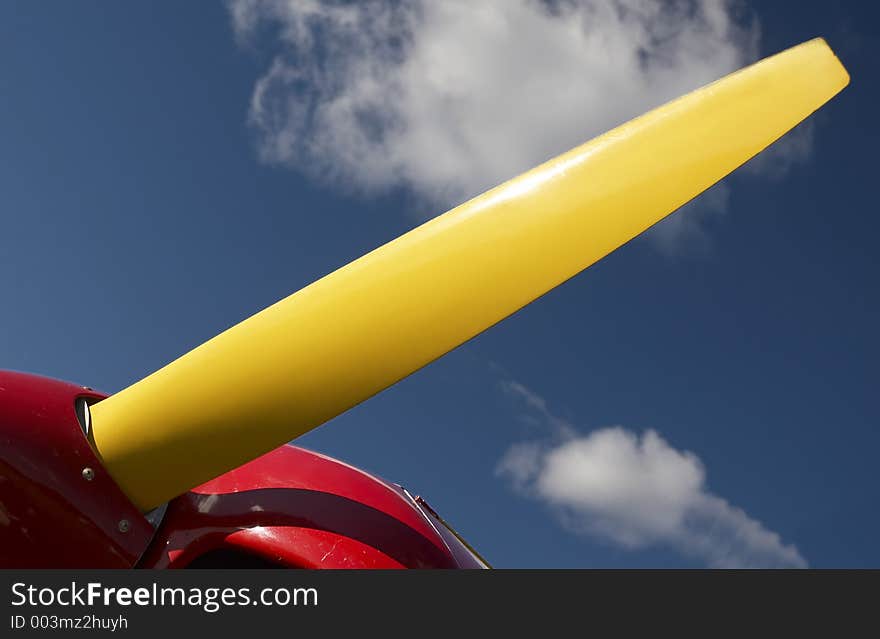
(124, 525)
(88, 474)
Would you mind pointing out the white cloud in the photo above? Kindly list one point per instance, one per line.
(538, 405)
(689, 228)
(449, 98)
(638, 491)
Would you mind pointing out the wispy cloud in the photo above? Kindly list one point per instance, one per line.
(636, 490)
(449, 98)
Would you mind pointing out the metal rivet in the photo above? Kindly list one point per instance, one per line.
(124, 525)
(88, 474)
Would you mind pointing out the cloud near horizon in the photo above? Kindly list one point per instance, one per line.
(446, 99)
(636, 491)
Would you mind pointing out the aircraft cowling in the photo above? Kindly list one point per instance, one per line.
(298, 509)
(59, 508)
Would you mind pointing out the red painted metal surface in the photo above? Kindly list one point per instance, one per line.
(290, 507)
(300, 509)
(51, 516)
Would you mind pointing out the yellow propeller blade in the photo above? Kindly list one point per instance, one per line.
(360, 329)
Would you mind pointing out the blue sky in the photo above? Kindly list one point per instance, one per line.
(142, 214)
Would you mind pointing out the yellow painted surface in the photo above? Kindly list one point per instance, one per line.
(360, 329)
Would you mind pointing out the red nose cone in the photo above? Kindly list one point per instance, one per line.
(58, 506)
